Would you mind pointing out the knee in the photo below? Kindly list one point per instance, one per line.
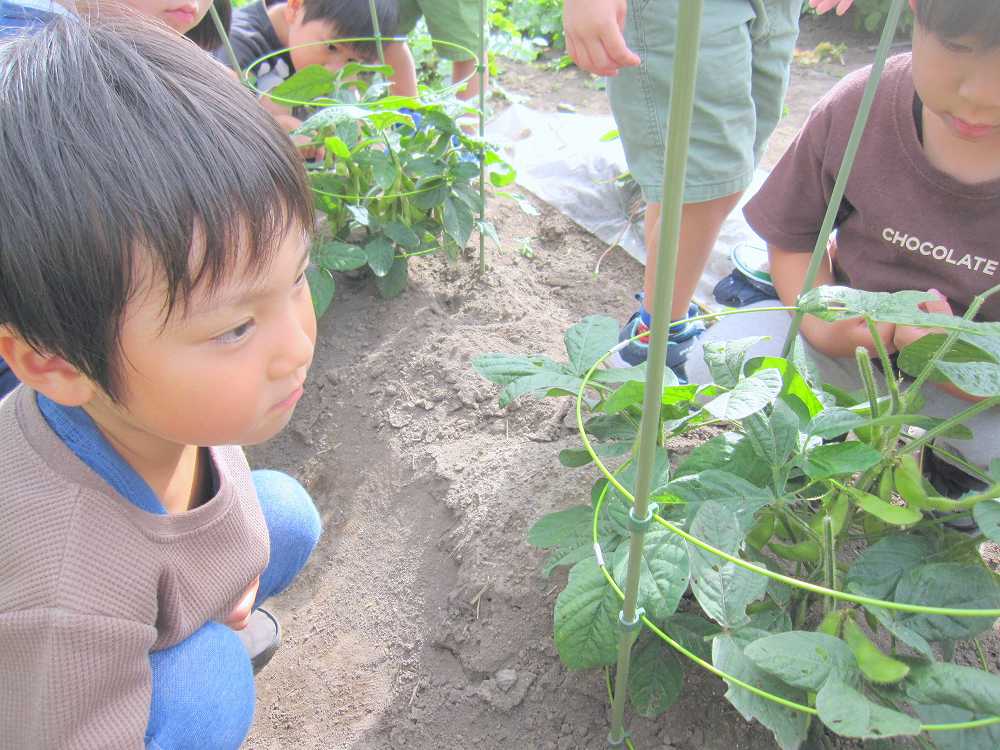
(203, 692)
(292, 518)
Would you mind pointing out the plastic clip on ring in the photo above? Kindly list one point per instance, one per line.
(639, 525)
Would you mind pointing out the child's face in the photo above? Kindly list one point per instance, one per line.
(959, 82)
(225, 370)
(180, 15)
(331, 55)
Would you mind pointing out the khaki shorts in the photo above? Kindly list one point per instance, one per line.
(455, 22)
(743, 64)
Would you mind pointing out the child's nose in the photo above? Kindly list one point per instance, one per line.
(297, 340)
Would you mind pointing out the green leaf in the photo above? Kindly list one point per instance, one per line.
(795, 390)
(656, 678)
(506, 368)
(384, 170)
(693, 632)
(380, 254)
(322, 288)
(888, 619)
(360, 214)
(729, 452)
(774, 438)
(849, 713)
(338, 256)
(401, 234)
(394, 283)
(734, 493)
(312, 82)
(966, 348)
(663, 573)
(573, 458)
(948, 585)
(431, 196)
(985, 738)
(876, 666)
(723, 589)
(458, 221)
(613, 427)
(803, 659)
(980, 379)
(725, 359)
(834, 422)
(748, 397)
(987, 515)
(615, 375)
(586, 619)
(541, 384)
(892, 514)
(935, 682)
(554, 529)
(790, 728)
(589, 340)
(337, 147)
(628, 395)
(617, 506)
(832, 460)
(567, 556)
(902, 308)
(878, 569)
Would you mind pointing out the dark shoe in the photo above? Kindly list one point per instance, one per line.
(682, 336)
(261, 637)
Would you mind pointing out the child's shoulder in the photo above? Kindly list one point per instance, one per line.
(846, 94)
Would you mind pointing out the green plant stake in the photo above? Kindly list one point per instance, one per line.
(819, 251)
(481, 72)
(221, 30)
(675, 167)
(376, 31)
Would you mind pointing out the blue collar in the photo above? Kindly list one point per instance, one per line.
(77, 430)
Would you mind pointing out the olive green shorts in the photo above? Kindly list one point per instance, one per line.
(743, 65)
(455, 22)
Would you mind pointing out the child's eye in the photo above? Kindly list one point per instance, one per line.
(956, 47)
(332, 47)
(236, 334)
(300, 281)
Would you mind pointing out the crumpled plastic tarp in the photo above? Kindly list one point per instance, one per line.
(561, 158)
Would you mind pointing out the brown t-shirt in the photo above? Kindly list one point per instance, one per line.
(904, 223)
(90, 584)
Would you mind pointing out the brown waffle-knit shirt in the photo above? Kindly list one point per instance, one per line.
(90, 584)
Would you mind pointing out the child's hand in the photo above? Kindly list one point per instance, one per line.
(822, 6)
(906, 335)
(239, 616)
(842, 337)
(594, 35)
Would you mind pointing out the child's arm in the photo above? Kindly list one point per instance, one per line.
(838, 339)
(73, 680)
(404, 72)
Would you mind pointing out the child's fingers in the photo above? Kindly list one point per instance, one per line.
(240, 614)
(822, 6)
(939, 304)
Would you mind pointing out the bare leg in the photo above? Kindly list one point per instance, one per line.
(460, 69)
(700, 226)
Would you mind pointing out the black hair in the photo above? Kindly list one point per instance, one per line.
(125, 151)
(205, 35)
(950, 19)
(353, 19)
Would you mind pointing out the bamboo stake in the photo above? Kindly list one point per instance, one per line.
(675, 166)
(481, 72)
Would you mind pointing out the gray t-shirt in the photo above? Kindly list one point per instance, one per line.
(252, 37)
(904, 224)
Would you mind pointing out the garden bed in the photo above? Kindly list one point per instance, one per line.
(423, 620)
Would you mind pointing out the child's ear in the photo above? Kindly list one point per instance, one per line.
(293, 8)
(48, 374)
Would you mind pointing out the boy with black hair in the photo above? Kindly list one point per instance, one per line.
(309, 29)
(154, 305)
(921, 209)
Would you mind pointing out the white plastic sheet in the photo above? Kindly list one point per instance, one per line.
(561, 159)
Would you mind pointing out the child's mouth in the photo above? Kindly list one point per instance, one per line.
(968, 130)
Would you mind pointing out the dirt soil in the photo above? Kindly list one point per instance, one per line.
(422, 621)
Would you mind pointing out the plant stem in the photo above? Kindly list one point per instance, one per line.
(982, 656)
(675, 164)
(819, 251)
(829, 563)
(887, 370)
(953, 420)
